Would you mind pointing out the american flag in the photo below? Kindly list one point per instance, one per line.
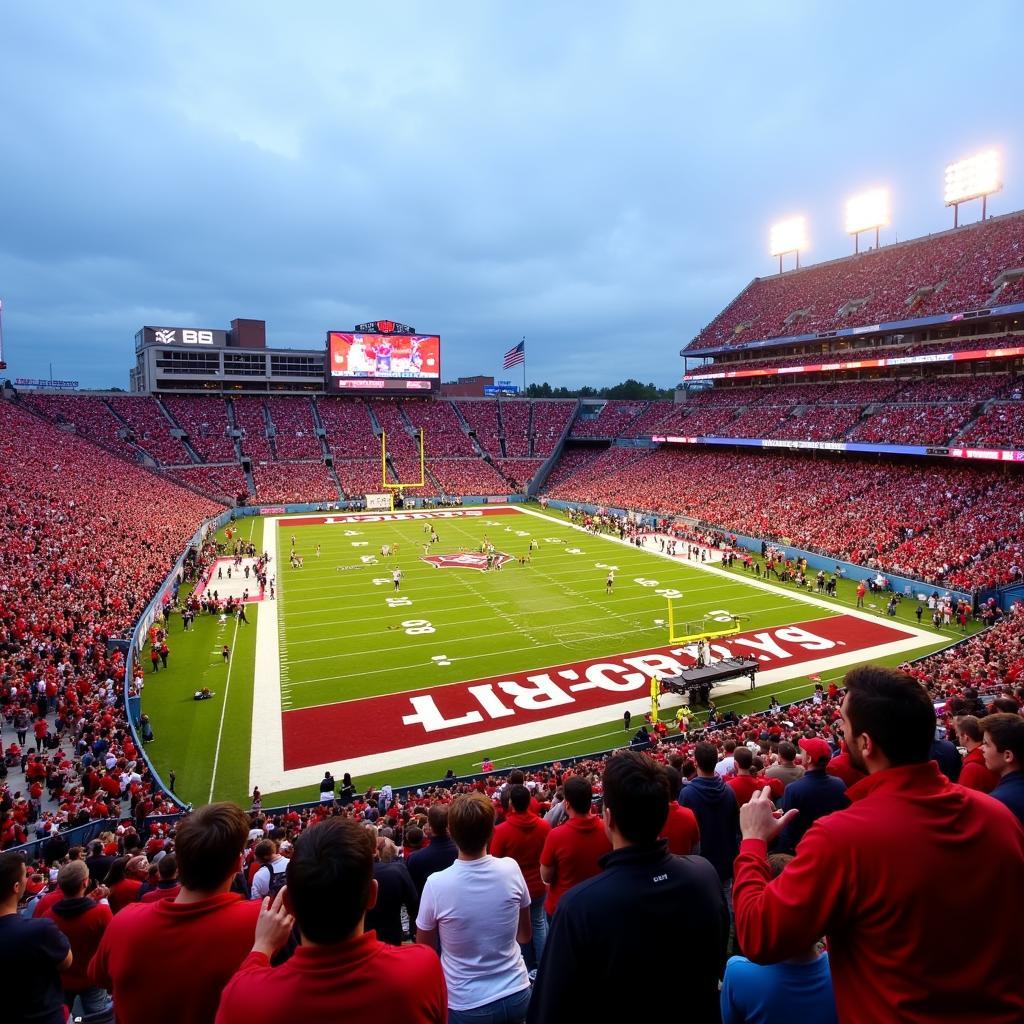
(515, 356)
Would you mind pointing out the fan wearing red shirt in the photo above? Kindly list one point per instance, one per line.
(874, 878)
(744, 783)
(974, 774)
(199, 938)
(338, 970)
(573, 850)
(681, 828)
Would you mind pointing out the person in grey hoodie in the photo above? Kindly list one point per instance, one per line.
(718, 815)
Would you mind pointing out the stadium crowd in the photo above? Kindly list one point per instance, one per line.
(524, 880)
(953, 526)
(950, 272)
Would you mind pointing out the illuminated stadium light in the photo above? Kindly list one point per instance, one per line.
(975, 177)
(866, 211)
(788, 236)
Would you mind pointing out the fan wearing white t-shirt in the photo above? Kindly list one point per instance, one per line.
(480, 909)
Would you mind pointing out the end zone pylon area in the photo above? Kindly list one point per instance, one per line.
(692, 631)
(384, 466)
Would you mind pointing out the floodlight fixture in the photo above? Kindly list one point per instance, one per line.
(788, 236)
(975, 177)
(866, 211)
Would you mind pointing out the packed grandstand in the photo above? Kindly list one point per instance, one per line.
(103, 492)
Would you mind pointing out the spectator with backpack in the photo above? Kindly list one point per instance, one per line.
(270, 878)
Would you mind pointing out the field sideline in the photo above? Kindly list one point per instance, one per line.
(521, 664)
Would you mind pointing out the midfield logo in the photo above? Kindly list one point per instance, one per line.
(466, 560)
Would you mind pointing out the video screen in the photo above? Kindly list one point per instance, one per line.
(384, 356)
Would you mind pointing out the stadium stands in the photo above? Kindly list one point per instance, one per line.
(460, 477)
(515, 416)
(444, 436)
(950, 272)
(250, 418)
(854, 510)
(519, 471)
(152, 430)
(222, 482)
(550, 418)
(296, 432)
(294, 482)
(614, 420)
(349, 428)
(205, 420)
(90, 417)
(482, 416)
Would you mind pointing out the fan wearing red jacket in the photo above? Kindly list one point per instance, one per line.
(521, 836)
(339, 972)
(874, 878)
(198, 938)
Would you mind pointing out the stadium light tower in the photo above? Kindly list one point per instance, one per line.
(788, 236)
(975, 177)
(866, 211)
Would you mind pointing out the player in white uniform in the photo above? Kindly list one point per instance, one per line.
(610, 582)
(396, 578)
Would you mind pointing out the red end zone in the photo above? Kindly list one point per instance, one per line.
(372, 725)
(392, 517)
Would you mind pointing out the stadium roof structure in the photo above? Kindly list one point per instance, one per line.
(973, 270)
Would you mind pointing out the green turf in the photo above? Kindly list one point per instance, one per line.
(342, 639)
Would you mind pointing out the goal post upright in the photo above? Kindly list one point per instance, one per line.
(693, 632)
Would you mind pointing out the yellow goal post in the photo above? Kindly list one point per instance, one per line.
(708, 627)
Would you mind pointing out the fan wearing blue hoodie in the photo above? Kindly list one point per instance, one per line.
(718, 814)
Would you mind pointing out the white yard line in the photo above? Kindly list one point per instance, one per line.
(267, 743)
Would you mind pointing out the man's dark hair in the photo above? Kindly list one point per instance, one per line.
(969, 727)
(471, 822)
(329, 879)
(787, 752)
(1007, 733)
(636, 792)
(744, 758)
(706, 756)
(208, 844)
(264, 850)
(675, 780)
(519, 798)
(730, 746)
(579, 794)
(168, 867)
(437, 815)
(516, 777)
(894, 710)
(10, 872)
(1008, 704)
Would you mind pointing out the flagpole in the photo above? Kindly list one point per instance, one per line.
(524, 366)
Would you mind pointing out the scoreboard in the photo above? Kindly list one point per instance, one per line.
(382, 356)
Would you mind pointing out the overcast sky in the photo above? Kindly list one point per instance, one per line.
(597, 177)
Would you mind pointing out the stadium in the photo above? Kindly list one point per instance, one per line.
(330, 586)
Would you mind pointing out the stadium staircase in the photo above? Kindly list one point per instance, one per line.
(469, 431)
(329, 463)
(321, 433)
(534, 486)
(126, 433)
(178, 431)
(529, 429)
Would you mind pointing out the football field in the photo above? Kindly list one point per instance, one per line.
(528, 660)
